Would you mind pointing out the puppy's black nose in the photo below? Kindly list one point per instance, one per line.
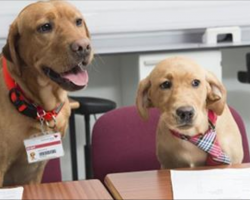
(81, 47)
(185, 113)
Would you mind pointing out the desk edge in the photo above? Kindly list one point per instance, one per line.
(111, 188)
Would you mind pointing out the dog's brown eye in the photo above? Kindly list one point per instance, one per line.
(166, 85)
(45, 28)
(79, 22)
(196, 83)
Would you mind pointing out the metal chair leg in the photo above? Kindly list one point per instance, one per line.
(87, 148)
(73, 146)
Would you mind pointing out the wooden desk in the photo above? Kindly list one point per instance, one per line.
(148, 184)
(91, 189)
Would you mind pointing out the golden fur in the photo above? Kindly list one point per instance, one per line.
(173, 152)
(27, 50)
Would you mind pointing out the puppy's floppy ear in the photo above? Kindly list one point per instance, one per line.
(10, 49)
(143, 102)
(216, 96)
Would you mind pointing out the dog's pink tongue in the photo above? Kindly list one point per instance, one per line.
(80, 79)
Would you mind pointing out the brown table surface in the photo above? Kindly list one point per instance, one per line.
(147, 184)
(88, 189)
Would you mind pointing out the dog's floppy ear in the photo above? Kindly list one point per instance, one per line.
(10, 49)
(216, 96)
(143, 102)
(87, 30)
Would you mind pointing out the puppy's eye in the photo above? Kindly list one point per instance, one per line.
(79, 22)
(45, 28)
(166, 85)
(196, 83)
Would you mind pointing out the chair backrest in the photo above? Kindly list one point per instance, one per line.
(52, 172)
(242, 129)
(123, 142)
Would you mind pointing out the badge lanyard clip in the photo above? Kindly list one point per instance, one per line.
(41, 116)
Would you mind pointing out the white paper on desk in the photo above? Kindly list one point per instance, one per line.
(12, 193)
(211, 184)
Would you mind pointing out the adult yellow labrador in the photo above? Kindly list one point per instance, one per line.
(46, 54)
(196, 127)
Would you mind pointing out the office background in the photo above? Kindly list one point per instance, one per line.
(129, 37)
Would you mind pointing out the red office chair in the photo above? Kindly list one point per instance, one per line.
(52, 172)
(122, 142)
(242, 128)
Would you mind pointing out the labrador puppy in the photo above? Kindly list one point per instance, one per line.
(196, 127)
(46, 54)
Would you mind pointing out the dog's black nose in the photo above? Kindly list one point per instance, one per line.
(185, 113)
(81, 47)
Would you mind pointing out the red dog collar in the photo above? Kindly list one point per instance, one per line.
(22, 104)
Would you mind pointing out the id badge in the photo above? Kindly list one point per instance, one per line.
(44, 147)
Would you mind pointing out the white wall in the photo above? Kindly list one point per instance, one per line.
(133, 16)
